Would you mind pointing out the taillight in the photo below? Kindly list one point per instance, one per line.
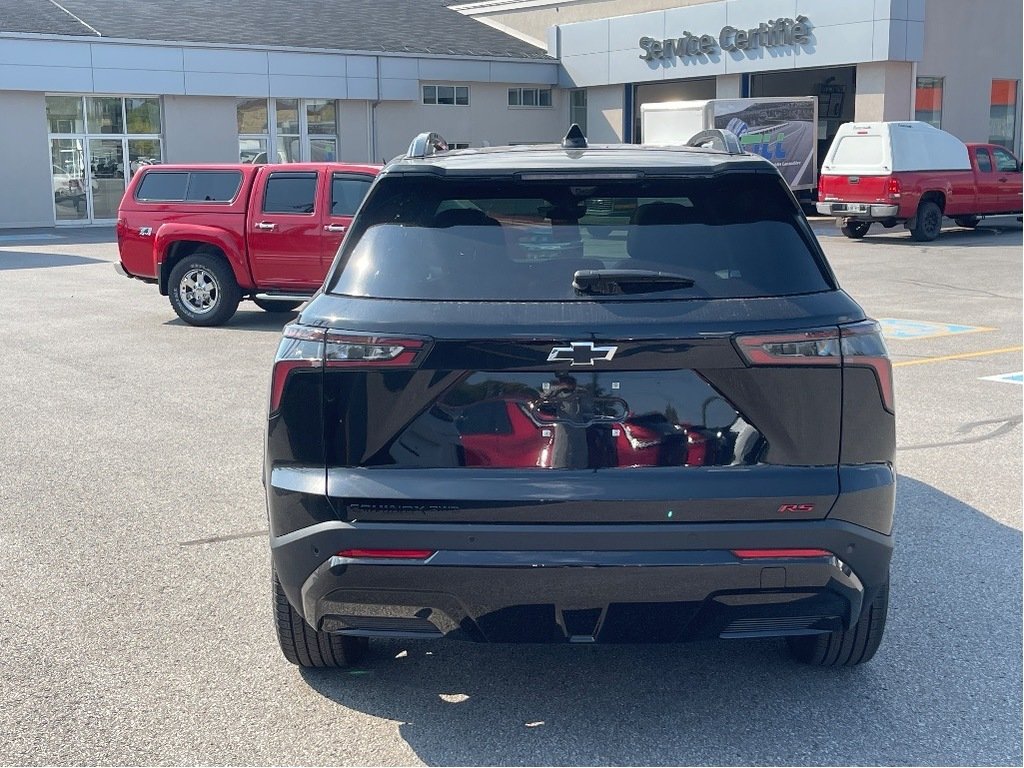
(817, 347)
(345, 351)
(774, 554)
(863, 347)
(894, 189)
(387, 554)
(858, 345)
(306, 347)
(300, 347)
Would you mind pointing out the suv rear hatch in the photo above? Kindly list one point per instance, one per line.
(496, 351)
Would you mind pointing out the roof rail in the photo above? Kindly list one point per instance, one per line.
(427, 144)
(717, 138)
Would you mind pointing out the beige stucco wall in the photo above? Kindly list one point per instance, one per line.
(200, 129)
(488, 118)
(968, 49)
(26, 196)
(884, 90)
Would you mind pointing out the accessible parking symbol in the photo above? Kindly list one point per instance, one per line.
(894, 328)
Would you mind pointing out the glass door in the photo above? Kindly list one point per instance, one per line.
(107, 172)
(67, 160)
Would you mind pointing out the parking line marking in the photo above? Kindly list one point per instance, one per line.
(1006, 378)
(895, 328)
(962, 356)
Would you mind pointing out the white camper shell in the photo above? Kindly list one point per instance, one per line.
(879, 149)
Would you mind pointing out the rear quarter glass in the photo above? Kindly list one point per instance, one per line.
(737, 235)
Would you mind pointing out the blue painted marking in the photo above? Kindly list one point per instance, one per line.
(1007, 378)
(894, 328)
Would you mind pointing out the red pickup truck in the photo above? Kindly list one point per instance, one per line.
(212, 235)
(913, 173)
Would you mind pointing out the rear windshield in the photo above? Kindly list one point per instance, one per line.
(735, 235)
(858, 150)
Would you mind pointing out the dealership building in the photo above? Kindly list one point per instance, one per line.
(92, 90)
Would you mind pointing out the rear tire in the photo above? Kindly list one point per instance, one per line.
(202, 289)
(268, 305)
(968, 222)
(847, 647)
(928, 222)
(855, 230)
(306, 647)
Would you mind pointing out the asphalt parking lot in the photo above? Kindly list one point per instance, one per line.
(136, 625)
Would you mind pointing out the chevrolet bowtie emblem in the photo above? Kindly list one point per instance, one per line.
(581, 353)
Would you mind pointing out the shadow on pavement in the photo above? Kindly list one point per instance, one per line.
(950, 235)
(57, 236)
(28, 260)
(945, 688)
(248, 319)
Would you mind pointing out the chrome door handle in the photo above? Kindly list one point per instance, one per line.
(265, 225)
(335, 228)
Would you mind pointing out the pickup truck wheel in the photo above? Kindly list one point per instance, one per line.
(202, 289)
(306, 647)
(277, 306)
(855, 230)
(969, 222)
(847, 647)
(928, 222)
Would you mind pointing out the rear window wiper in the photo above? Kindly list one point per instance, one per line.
(613, 281)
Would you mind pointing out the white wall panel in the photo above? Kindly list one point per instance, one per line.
(362, 87)
(303, 86)
(314, 64)
(361, 66)
(890, 9)
(454, 71)
(30, 78)
(625, 33)
(829, 14)
(585, 37)
(45, 53)
(226, 84)
(217, 60)
(396, 67)
(111, 56)
(514, 72)
(588, 69)
(141, 81)
(705, 19)
(744, 14)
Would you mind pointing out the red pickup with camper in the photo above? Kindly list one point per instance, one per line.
(913, 173)
(211, 235)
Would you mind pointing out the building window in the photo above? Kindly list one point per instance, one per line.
(928, 101)
(529, 97)
(451, 95)
(287, 130)
(1002, 116)
(97, 143)
(578, 109)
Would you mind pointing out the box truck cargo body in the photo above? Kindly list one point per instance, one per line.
(784, 130)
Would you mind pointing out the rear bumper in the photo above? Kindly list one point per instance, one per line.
(581, 583)
(119, 268)
(859, 211)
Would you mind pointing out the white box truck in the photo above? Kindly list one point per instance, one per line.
(782, 129)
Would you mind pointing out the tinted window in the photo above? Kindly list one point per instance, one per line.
(214, 186)
(290, 193)
(162, 186)
(1004, 160)
(347, 192)
(737, 235)
(984, 161)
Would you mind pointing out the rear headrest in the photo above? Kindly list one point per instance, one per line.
(464, 217)
(661, 213)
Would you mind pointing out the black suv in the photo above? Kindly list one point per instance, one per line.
(581, 394)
